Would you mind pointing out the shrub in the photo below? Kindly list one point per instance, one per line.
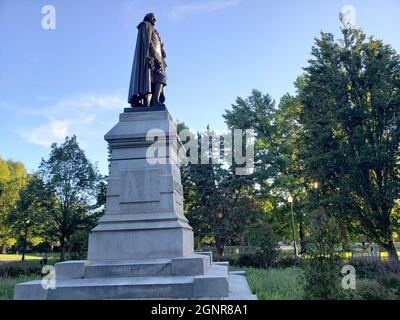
(365, 268)
(284, 262)
(15, 269)
(391, 281)
(385, 267)
(380, 277)
(257, 261)
(232, 259)
(77, 245)
(265, 243)
(374, 269)
(250, 260)
(322, 277)
(373, 290)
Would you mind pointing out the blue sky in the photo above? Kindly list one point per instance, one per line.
(75, 79)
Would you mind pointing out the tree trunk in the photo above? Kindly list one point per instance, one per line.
(301, 236)
(345, 237)
(62, 245)
(391, 250)
(3, 248)
(220, 246)
(24, 247)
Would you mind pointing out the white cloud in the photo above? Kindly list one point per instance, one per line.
(202, 7)
(54, 131)
(74, 115)
(5, 105)
(88, 102)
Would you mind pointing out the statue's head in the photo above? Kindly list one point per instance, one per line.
(150, 17)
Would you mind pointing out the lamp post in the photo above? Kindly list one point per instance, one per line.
(290, 200)
(316, 187)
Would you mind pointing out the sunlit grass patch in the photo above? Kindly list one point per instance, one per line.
(18, 257)
(275, 284)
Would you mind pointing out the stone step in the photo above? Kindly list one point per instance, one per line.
(192, 265)
(124, 288)
(157, 267)
(110, 288)
(214, 284)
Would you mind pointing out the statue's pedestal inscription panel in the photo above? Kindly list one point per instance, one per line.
(141, 185)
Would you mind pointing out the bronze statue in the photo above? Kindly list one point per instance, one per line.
(148, 77)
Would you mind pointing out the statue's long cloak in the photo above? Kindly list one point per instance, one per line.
(141, 73)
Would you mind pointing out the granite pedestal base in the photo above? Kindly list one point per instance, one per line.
(189, 277)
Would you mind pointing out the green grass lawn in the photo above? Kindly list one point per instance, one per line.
(275, 284)
(18, 257)
(30, 256)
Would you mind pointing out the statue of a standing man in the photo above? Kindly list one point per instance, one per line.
(149, 76)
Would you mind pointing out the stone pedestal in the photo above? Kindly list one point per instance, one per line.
(144, 215)
(143, 245)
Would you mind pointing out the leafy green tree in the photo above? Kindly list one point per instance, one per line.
(218, 203)
(351, 138)
(28, 221)
(277, 171)
(221, 205)
(13, 178)
(74, 182)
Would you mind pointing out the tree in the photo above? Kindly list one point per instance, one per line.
(265, 243)
(351, 138)
(28, 221)
(13, 178)
(73, 180)
(278, 170)
(219, 204)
